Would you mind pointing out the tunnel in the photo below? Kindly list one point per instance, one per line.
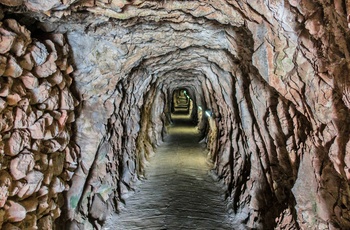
(92, 92)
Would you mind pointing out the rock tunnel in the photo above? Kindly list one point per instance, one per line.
(86, 97)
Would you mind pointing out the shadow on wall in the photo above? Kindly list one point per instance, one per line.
(257, 146)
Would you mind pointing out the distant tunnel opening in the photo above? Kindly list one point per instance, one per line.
(181, 102)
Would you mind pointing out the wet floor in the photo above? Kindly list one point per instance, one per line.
(178, 193)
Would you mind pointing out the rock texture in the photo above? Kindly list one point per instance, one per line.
(37, 109)
(274, 75)
(178, 192)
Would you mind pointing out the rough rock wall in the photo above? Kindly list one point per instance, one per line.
(37, 156)
(274, 74)
(301, 50)
(235, 83)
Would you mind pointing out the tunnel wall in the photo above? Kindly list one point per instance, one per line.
(278, 72)
(38, 156)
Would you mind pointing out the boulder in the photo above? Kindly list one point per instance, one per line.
(13, 99)
(57, 185)
(34, 180)
(30, 204)
(29, 81)
(21, 165)
(17, 142)
(7, 38)
(5, 184)
(45, 222)
(3, 104)
(26, 62)
(11, 2)
(9, 226)
(13, 69)
(14, 212)
(39, 53)
(40, 93)
(3, 64)
(48, 68)
(98, 208)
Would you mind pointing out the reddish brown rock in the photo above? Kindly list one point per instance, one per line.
(30, 204)
(21, 165)
(34, 180)
(43, 191)
(62, 119)
(58, 160)
(41, 93)
(26, 62)
(24, 119)
(39, 53)
(30, 222)
(24, 105)
(71, 159)
(10, 226)
(14, 212)
(44, 206)
(51, 104)
(20, 118)
(48, 68)
(57, 185)
(17, 142)
(67, 175)
(67, 100)
(56, 78)
(45, 223)
(19, 29)
(58, 39)
(19, 89)
(13, 99)
(5, 89)
(11, 2)
(6, 121)
(50, 146)
(37, 130)
(2, 104)
(29, 132)
(42, 5)
(69, 69)
(29, 81)
(273, 74)
(5, 184)
(6, 40)
(3, 63)
(13, 69)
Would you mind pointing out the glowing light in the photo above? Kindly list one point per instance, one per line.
(199, 108)
(185, 93)
(208, 113)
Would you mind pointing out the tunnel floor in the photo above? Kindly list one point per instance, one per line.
(178, 193)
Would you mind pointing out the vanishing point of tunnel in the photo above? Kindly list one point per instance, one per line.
(172, 114)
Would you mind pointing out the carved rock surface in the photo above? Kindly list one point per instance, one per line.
(273, 75)
(14, 212)
(32, 119)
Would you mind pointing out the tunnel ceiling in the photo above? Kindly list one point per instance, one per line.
(273, 73)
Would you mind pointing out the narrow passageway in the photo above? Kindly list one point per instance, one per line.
(179, 193)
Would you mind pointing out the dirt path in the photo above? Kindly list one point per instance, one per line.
(178, 192)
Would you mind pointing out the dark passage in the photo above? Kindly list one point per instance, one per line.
(179, 193)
